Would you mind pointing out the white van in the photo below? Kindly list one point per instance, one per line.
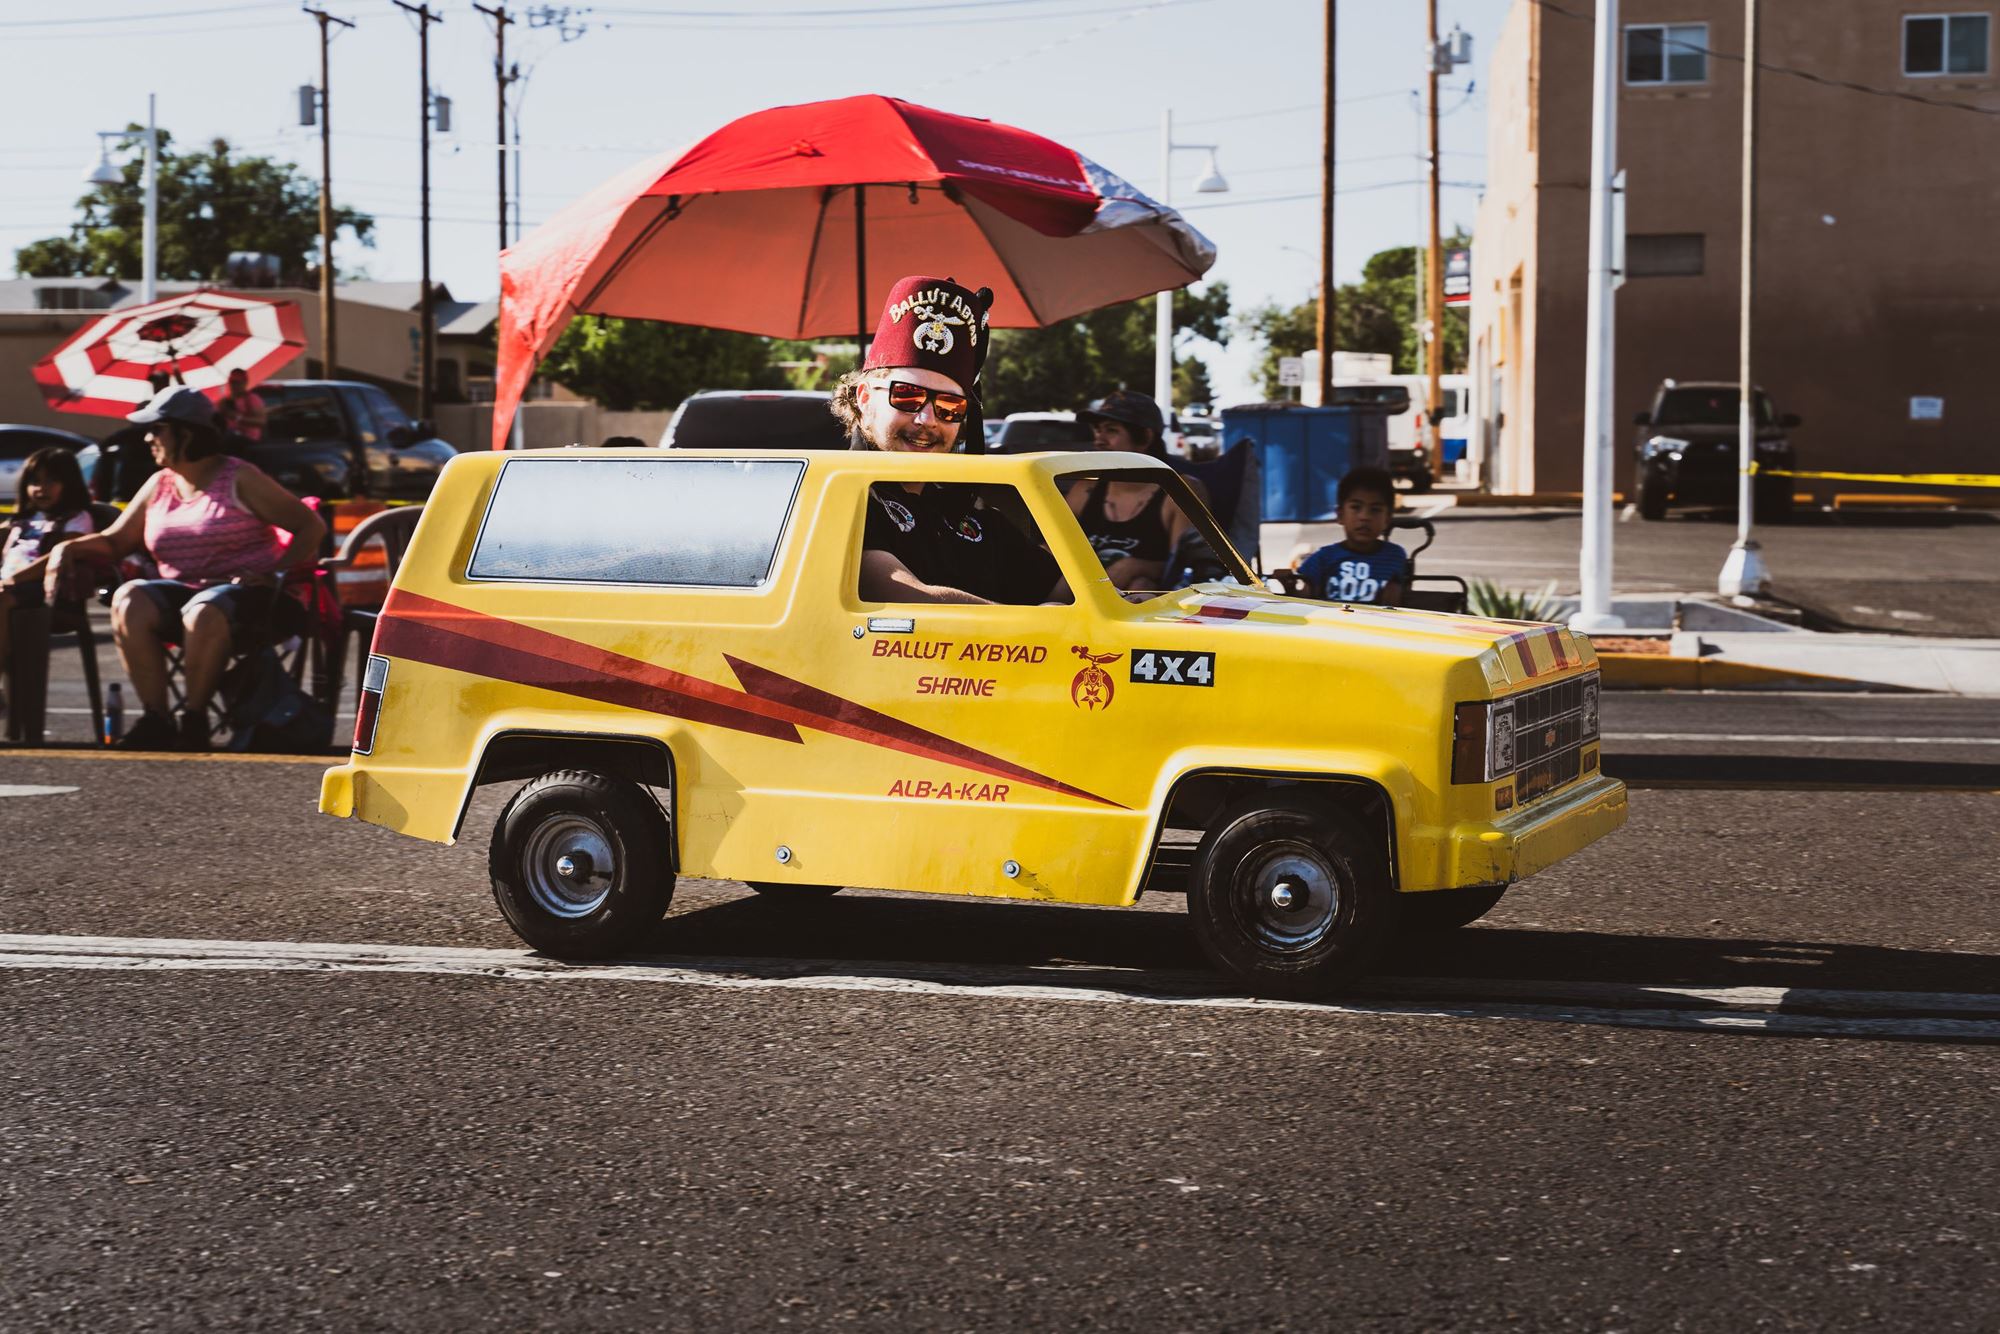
(1406, 429)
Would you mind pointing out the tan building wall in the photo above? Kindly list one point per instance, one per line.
(1878, 278)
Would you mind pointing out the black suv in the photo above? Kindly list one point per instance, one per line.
(335, 439)
(1688, 445)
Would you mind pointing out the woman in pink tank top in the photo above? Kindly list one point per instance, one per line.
(215, 526)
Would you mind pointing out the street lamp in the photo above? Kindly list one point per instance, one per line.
(104, 173)
(1210, 183)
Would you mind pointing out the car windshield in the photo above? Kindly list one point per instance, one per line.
(1204, 555)
(1034, 434)
(20, 444)
(757, 421)
(1715, 406)
(296, 413)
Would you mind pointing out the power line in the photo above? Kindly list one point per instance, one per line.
(818, 13)
(1793, 72)
(148, 17)
(1345, 190)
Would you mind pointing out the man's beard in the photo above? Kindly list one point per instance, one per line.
(926, 439)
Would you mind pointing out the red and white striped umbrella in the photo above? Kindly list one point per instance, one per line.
(195, 339)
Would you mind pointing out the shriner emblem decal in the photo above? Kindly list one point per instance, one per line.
(1091, 688)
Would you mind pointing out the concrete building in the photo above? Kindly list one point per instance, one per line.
(1878, 277)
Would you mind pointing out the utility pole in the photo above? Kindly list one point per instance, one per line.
(1326, 288)
(427, 341)
(498, 13)
(329, 355)
(1593, 611)
(1433, 268)
(1743, 573)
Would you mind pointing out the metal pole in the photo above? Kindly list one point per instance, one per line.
(498, 13)
(862, 327)
(1163, 334)
(1326, 288)
(1434, 269)
(1743, 573)
(329, 347)
(149, 260)
(1594, 565)
(427, 314)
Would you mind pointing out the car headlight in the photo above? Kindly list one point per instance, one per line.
(1773, 446)
(1664, 444)
(1590, 709)
(1482, 741)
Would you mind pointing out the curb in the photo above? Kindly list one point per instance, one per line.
(1649, 671)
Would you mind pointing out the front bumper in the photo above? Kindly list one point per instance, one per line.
(1510, 849)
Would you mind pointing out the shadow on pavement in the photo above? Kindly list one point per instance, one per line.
(1800, 773)
(1155, 953)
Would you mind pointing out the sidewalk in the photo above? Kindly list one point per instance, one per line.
(1696, 644)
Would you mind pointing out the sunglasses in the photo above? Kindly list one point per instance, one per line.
(911, 398)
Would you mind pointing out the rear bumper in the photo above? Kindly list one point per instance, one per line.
(336, 791)
(1512, 849)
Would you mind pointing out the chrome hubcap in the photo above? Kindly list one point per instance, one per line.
(570, 867)
(1290, 896)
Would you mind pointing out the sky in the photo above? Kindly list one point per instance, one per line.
(610, 83)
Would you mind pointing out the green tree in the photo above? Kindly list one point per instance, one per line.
(1073, 361)
(211, 203)
(629, 365)
(1378, 314)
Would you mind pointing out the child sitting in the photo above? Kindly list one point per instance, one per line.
(1363, 566)
(55, 506)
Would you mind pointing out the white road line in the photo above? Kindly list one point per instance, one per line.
(1800, 736)
(1942, 1016)
(32, 790)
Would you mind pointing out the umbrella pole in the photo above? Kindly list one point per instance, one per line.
(861, 323)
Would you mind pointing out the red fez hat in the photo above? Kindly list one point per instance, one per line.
(936, 324)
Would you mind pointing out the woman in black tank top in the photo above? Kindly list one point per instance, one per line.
(1132, 526)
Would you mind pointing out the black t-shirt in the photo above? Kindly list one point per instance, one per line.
(946, 537)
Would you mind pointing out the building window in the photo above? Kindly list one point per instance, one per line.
(1935, 44)
(1657, 53)
(1664, 255)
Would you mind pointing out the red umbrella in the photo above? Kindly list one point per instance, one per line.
(196, 339)
(795, 222)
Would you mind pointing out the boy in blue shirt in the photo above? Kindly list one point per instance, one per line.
(1364, 566)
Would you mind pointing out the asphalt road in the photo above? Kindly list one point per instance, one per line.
(1720, 1071)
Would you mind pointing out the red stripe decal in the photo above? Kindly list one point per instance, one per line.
(1556, 649)
(425, 630)
(836, 716)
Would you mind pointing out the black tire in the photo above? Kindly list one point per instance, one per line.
(1441, 910)
(587, 820)
(1420, 482)
(1319, 940)
(1652, 498)
(798, 892)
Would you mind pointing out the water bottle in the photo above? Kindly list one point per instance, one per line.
(114, 713)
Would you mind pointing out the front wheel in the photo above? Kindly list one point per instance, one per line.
(1291, 896)
(582, 865)
(1652, 497)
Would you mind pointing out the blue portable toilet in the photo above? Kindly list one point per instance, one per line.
(1305, 451)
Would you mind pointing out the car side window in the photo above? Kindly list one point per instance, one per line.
(379, 413)
(981, 540)
(711, 523)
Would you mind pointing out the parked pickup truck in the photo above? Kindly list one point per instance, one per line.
(671, 648)
(335, 439)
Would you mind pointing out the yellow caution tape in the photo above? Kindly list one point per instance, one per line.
(1908, 478)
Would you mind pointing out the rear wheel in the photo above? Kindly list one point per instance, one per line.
(772, 889)
(1652, 497)
(582, 865)
(1442, 910)
(1290, 895)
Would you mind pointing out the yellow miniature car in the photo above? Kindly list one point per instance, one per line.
(672, 649)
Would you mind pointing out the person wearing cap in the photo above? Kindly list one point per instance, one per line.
(212, 524)
(1132, 526)
(914, 394)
